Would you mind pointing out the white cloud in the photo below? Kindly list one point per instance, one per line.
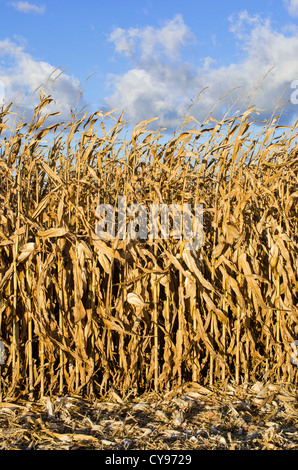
(22, 74)
(148, 42)
(292, 7)
(26, 7)
(160, 84)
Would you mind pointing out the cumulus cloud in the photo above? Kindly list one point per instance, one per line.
(292, 7)
(160, 84)
(148, 42)
(21, 74)
(26, 7)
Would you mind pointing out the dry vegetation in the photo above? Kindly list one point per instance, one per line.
(227, 313)
(188, 418)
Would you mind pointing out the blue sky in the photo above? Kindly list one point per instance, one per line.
(152, 58)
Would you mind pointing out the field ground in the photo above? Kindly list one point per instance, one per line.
(191, 417)
(81, 314)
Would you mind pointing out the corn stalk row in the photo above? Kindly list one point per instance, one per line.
(79, 314)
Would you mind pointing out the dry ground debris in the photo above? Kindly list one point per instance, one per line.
(191, 417)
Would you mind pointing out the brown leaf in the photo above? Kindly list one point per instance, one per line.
(52, 232)
(79, 311)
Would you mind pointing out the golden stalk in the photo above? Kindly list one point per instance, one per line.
(277, 284)
(211, 363)
(224, 308)
(237, 372)
(193, 307)
(167, 323)
(30, 335)
(42, 368)
(15, 322)
(155, 329)
(61, 320)
(50, 178)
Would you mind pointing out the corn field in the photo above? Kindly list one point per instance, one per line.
(79, 314)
